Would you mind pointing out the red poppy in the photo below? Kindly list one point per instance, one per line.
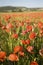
(24, 32)
(6, 17)
(21, 53)
(17, 49)
(29, 28)
(33, 63)
(7, 30)
(32, 35)
(2, 55)
(40, 25)
(27, 41)
(13, 57)
(30, 49)
(3, 27)
(14, 35)
(21, 23)
(23, 41)
(9, 25)
(27, 21)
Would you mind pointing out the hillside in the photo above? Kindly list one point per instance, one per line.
(18, 9)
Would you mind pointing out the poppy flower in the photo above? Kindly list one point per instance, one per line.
(14, 35)
(27, 21)
(2, 55)
(24, 32)
(33, 63)
(7, 30)
(17, 49)
(41, 52)
(3, 27)
(27, 41)
(40, 25)
(13, 57)
(21, 53)
(7, 17)
(23, 41)
(9, 25)
(30, 49)
(32, 35)
(29, 28)
(21, 23)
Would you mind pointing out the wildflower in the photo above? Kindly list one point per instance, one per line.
(32, 35)
(27, 41)
(7, 17)
(40, 25)
(21, 53)
(13, 57)
(14, 35)
(7, 30)
(3, 27)
(23, 41)
(23, 32)
(29, 28)
(17, 49)
(9, 25)
(2, 56)
(29, 49)
(21, 23)
(33, 63)
(27, 21)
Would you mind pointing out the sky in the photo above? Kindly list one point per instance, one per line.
(25, 3)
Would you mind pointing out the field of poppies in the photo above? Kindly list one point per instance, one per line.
(21, 38)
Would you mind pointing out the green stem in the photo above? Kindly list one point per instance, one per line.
(10, 42)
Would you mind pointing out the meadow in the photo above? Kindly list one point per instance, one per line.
(21, 38)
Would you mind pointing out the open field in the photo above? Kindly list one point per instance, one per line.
(21, 16)
(21, 38)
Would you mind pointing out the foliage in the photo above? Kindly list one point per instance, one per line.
(21, 42)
